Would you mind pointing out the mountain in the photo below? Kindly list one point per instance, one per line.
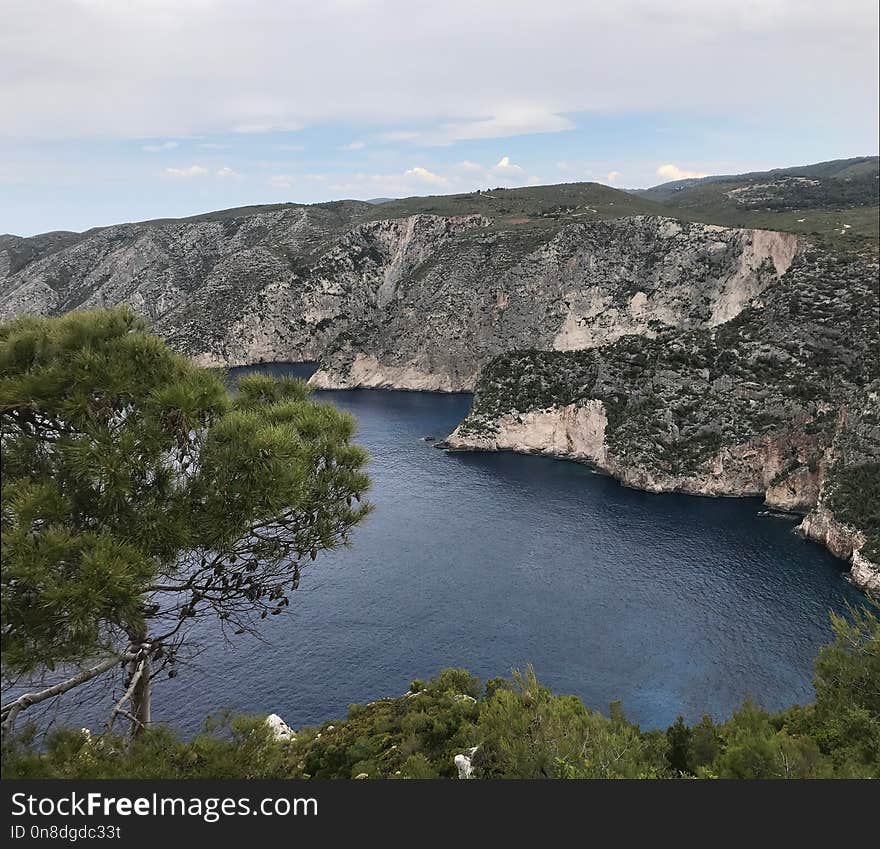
(716, 345)
(835, 201)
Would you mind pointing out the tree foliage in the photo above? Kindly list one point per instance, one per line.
(140, 495)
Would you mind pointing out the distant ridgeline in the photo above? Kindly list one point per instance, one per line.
(716, 336)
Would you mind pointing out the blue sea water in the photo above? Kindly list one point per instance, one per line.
(672, 604)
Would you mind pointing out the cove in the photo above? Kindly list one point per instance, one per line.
(670, 603)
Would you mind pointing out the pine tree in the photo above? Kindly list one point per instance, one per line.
(140, 495)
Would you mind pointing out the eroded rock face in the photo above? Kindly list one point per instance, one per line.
(422, 302)
(845, 515)
(576, 432)
(781, 402)
(584, 286)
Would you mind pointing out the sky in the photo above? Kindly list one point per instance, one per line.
(124, 110)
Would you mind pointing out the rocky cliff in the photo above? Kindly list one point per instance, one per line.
(780, 402)
(419, 302)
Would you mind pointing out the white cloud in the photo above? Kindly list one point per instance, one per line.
(463, 176)
(250, 128)
(505, 168)
(355, 145)
(673, 172)
(504, 124)
(426, 176)
(192, 171)
(158, 148)
(520, 66)
(612, 176)
(226, 172)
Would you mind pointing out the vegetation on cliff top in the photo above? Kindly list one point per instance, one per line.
(520, 730)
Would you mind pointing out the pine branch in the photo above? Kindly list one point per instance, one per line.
(10, 711)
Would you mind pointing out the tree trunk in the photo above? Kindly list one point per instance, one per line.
(140, 698)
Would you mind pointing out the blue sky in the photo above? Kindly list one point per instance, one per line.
(153, 108)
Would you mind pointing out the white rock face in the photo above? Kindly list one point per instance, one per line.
(865, 573)
(576, 432)
(367, 372)
(744, 283)
(464, 763)
(844, 542)
(279, 729)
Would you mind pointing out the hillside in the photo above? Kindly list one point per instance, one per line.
(834, 202)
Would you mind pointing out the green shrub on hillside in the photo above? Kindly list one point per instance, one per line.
(521, 730)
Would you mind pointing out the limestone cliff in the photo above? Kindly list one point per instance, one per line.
(489, 291)
(780, 403)
(418, 302)
(846, 515)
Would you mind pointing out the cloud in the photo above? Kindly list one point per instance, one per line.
(281, 181)
(465, 176)
(612, 176)
(226, 172)
(504, 123)
(673, 172)
(355, 145)
(413, 181)
(192, 171)
(158, 148)
(426, 176)
(505, 168)
(267, 127)
(520, 67)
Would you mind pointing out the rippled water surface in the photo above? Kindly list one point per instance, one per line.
(673, 604)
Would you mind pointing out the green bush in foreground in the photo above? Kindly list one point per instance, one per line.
(521, 730)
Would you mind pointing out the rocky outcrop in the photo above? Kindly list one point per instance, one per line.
(279, 729)
(846, 515)
(580, 286)
(844, 542)
(419, 302)
(464, 763)
(577, 432)
(781, 402)
(865, 573)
